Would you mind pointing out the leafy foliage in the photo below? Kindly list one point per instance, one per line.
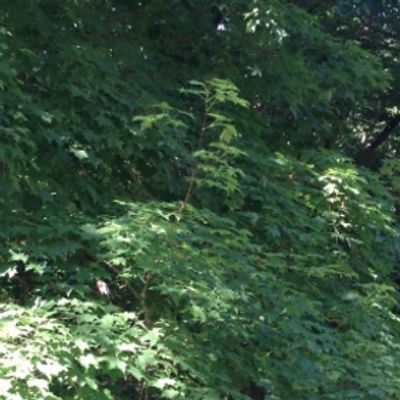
(179, 217)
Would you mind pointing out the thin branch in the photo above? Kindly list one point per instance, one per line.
(127, 284)
(142, 296)
(143, 299)
(195, 168)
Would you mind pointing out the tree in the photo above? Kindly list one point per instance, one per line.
(375, 26)
(179, 216)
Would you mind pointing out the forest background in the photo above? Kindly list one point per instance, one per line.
(199, 199)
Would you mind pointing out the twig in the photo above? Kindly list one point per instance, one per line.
(143, 299)
(144, 394)
(195, 168)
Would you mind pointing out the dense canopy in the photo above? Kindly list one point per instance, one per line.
(199, 199)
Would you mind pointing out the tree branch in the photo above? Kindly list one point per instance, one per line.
(391, 125)
(142, 296)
